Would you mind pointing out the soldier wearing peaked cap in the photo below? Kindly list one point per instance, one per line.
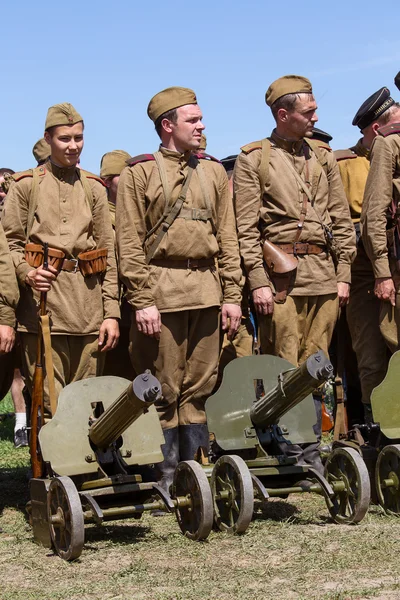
(66, 207)
(363, 309)
(322, 137)
(179, 259)
(288, 191)
(380, 226)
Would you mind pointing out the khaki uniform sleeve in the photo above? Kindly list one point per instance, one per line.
(14, 220)
(377, 199)
(130, 229)
(104, 238)
(342, 225)
(247, 202)
(229, 268)
(9, 293)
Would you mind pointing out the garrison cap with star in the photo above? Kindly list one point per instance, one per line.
(113, 162)
(172, 97)
(373, 108)
(288, 84)
(41, 151)
(397, 80)
(62, 114)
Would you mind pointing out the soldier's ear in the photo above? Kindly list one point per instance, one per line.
(47, 137)
(282, 115)
(375, 126)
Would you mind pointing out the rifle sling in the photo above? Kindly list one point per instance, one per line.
(48, 359)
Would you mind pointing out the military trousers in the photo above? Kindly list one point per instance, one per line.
(363, 319)
(241, 345)
(299, 327)
(75, 357)
(184, 359)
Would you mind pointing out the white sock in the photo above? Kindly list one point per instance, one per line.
(20, 420)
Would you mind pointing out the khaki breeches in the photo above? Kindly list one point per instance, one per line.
(184, 359)
(241, 345)
(367, 340)
(299, 327)
(75, 357)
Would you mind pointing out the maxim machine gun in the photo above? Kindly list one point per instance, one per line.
(105, 430)
(378, 441)
(262, 409)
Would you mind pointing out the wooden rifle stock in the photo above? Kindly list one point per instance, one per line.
(37, 408)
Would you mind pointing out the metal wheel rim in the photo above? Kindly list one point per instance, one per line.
(63, 503)
(351, 505)
(190, 481)
(231, 475)
(388, 467)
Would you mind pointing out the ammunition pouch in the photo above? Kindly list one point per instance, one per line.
(93, 262)
(281, 268)
(34, 256)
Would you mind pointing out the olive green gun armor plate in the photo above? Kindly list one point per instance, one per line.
(228, 410)
(385, 400)
(75, 456)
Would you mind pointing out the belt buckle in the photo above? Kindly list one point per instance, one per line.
(75, 260)
(192, 263)
(295, 250)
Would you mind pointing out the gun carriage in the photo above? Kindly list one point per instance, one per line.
(105, 430)
(262, 408)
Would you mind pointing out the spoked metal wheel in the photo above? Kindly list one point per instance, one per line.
(191, 491)
(387, 479)
(345, 470)
(233, 495)
(65, 516)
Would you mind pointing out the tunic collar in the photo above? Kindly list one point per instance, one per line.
(361, 150)
(176, 156)
(291, 146)
(62, 173)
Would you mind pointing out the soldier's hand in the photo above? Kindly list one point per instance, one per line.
(343, 291)
(109, 334)
(41, 279)
(263, 300)
(231, 315)
(385, 290)
(148, 321)
(7, 339)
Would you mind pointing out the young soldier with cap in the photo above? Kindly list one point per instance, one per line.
(111, 166)
(179, 258)
(363, 308)
(67, 208)
(288, 191)
(380, 225)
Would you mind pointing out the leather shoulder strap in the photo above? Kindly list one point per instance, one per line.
(389, 129)
(36, 175)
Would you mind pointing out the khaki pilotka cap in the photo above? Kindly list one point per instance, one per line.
(288, 84)
(170, 98)
(113, 162)
(203, 142)
(62, 114)
(41, 150)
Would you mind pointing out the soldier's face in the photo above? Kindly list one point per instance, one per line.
(301, 120)
(186, 132)
(66, 143)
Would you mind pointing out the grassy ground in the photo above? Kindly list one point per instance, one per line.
(291, 552)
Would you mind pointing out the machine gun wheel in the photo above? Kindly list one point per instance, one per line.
(233, 495)
(192, 494)
(65, 517)
(347, 473)
(387, 478)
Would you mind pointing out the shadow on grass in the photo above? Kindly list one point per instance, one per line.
(115, 534)
(278, 510)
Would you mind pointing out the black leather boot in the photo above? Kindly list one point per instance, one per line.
(165, 470)
(191, 438)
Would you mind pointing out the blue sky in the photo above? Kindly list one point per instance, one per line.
(110, 58)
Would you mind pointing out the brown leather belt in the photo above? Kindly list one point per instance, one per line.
(189, 263)
(70, 264)
(302, 248)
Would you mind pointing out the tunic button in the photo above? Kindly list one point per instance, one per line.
(64, 220)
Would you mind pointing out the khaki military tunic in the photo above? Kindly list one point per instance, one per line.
(276, 217)
(185, 358)
(362, 312)
(9, 293)
(383, 187)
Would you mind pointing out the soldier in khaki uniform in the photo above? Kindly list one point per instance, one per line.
(363, 309)
(66, 207)
(288, 190)
(178, 270)
(379, 225)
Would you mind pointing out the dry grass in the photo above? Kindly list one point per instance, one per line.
(291, 552)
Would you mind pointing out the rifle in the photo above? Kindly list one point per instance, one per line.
(37, 408)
